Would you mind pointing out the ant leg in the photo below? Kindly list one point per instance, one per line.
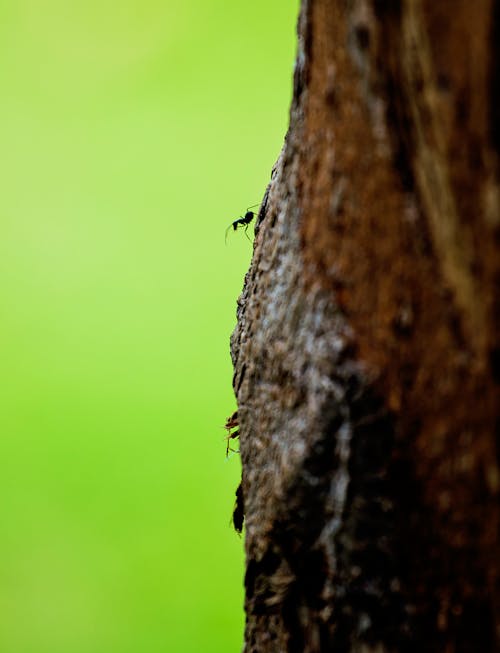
(230, 436)
(234, 225)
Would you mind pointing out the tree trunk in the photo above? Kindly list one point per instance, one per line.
(367, 350)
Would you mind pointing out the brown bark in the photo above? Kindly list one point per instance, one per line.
(367, 350)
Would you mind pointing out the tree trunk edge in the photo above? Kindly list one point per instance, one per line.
(370, 484)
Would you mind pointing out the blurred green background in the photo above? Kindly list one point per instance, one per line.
(131, 133)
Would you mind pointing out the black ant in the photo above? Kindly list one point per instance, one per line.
(239, 510)
(243, 221)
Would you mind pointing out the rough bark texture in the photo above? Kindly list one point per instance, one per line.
(367, 349)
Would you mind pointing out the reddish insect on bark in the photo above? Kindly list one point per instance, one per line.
(231, 423)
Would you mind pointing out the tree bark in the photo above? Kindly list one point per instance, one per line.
(367, 349)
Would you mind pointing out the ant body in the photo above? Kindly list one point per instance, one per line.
(243, 221)
(231, 423)
(239, 510)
